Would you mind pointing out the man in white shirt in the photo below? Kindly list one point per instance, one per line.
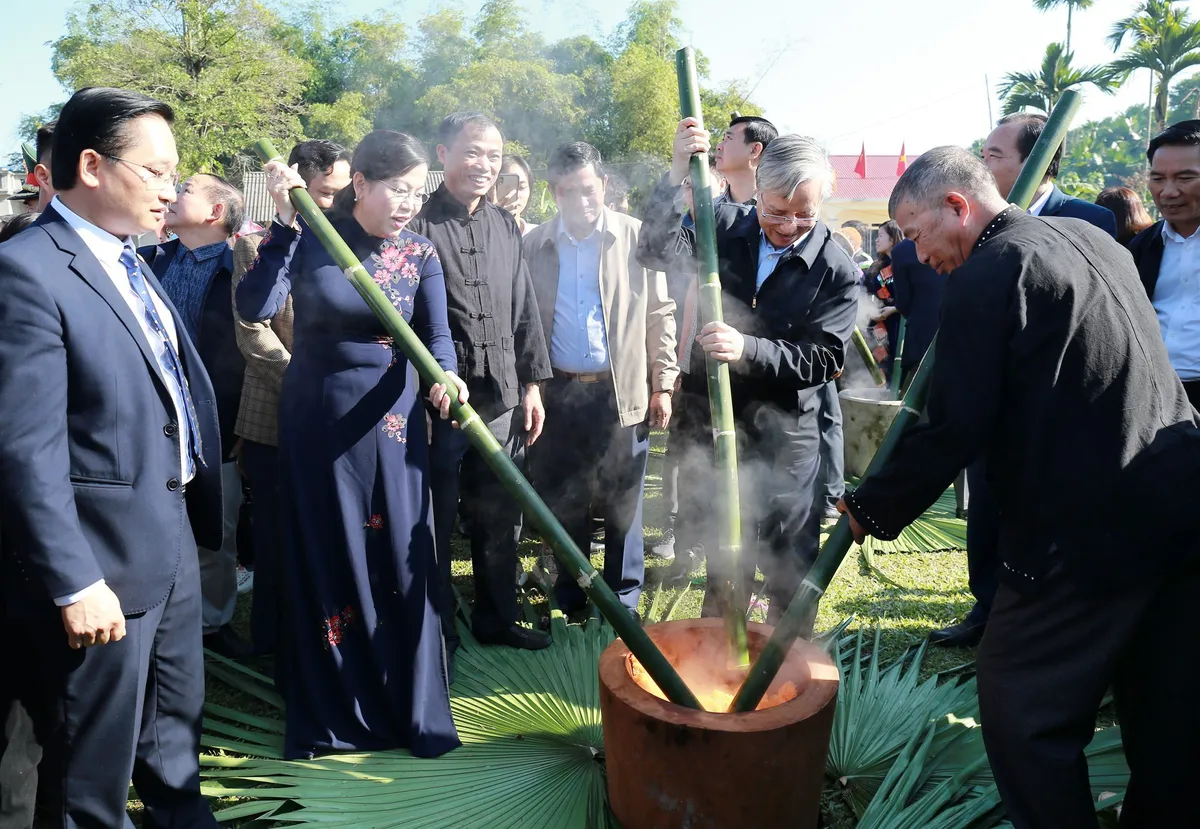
(1168, 252)
(109, 477)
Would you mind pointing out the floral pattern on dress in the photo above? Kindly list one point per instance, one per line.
(397, 263)
(335, 626)
(393, 427)
(375, 522)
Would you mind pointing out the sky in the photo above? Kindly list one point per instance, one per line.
(864, 72)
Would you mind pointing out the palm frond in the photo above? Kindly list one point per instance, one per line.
(938, 530)
(530, 726)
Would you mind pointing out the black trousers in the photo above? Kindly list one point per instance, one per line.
(586, 464)
(1046, 661)
(126, 710)
(260, 462)
(456, 469)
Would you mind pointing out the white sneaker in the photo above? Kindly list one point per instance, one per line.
(245, 579)
(665, 548)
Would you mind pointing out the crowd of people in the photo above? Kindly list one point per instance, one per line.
(146, 391)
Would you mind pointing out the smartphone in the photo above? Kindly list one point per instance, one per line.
(506, 185)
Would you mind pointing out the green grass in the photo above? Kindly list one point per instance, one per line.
(932, 593)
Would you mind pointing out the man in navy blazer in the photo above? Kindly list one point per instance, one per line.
(1004, 153)
(109, 477)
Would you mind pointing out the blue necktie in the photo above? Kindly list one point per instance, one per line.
(168, 358)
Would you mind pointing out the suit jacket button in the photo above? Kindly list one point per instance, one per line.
(169, 430)
(173, 484)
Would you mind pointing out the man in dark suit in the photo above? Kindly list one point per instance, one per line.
(789, 295)
(195, 270)
(1004, 153)
(1167, 253)
(918, 291)
(109, 477)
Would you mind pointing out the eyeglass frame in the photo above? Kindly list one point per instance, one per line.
(801, 222)
(414, 198)
(156, 180)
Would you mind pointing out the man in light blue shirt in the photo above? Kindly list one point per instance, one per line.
(611, 328)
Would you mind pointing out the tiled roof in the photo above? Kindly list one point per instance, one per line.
(881, 176)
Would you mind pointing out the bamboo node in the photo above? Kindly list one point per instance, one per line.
(585, 579)
(812, 586)
(463, 426)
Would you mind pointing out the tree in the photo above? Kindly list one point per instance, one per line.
(1047, 5)
(1041, 90)
(214, 61)
(1165, 40)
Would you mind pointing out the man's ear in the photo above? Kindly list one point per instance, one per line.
(218, 213)
(42, 173)
(959, 204)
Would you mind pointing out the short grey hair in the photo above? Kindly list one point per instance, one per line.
(791, 160)
(937, 172)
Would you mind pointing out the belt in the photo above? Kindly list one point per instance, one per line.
(594, 377)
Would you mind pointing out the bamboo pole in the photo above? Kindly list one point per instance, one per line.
(799, 616)
(864, 351)
(481, 438)
(720, 400)
(897, 361)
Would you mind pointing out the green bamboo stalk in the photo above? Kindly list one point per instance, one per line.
(720, 399)
(897, 360)
(481, 438)
(800, 615)
(864, 351)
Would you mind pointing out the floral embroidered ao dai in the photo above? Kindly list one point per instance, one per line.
(361, 662)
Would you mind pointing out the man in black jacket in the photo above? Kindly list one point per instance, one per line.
(1048, 364)
(1167, 253)
(789, 296)
(1004, 153)
(502, 356)
(196, 270)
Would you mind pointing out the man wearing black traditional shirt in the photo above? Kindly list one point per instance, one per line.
(502, 355)
(1048, 361)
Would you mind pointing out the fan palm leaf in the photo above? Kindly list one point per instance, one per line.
(530, 726)
(910, 755)
(938, 530)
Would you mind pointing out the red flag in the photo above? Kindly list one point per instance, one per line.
(861, 166)
(902, 164)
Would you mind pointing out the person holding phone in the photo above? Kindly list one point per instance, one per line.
(513, 187)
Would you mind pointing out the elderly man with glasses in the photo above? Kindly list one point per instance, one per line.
(789, 305)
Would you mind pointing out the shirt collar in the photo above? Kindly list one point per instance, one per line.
(1170, 235)
(1038, 206)
(1003, 219)
(442, 203)
(601, 226)
(205, 252)
(103, 245)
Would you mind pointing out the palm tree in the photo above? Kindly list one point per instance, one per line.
(1042, 89)
(1165, 40)
(1047, 5)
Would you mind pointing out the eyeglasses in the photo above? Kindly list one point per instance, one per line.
(154, 179)
(801, 222)
(417, 197)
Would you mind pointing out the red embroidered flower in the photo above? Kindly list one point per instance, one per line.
(393, 427)
(335, 626)
(375, 522)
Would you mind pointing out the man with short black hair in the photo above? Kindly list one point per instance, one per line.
(1048, 364)
(324, 166)
(196, 271)
(1167, 253)
(502, 357)
(1004, 153)
(739, 153)
(611, 328)
(109, 476)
